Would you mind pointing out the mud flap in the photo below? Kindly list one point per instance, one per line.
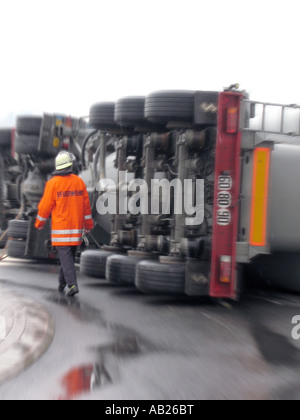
(206, 108)
(38, 240)
(197, 277)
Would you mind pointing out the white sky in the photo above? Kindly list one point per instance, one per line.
(65, 55)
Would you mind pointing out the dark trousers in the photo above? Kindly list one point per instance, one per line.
(67, 273)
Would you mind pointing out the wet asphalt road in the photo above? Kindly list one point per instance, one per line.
(115, 343)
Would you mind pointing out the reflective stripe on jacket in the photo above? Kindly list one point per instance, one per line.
(66, 198)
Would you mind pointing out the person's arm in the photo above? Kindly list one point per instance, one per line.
(45, 207)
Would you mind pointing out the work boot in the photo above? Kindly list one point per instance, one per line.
(73, 291)
(61, 287)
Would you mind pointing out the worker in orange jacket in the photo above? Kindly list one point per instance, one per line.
(67, 200)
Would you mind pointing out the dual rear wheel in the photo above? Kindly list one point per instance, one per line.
(149, 276)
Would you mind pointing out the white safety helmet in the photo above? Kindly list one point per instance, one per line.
(63, 161)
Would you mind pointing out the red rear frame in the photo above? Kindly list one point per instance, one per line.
(226, 193)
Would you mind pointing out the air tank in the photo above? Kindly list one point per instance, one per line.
(281, 269)
(284, 199)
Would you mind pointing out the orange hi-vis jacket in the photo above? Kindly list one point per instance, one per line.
(66, 198)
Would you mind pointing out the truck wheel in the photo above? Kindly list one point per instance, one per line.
(130, 111)
(168, 106)
(16, 248)
(29, 125)
(158, 278)
(18, 229)
(26, 144)
(93, 263)
(102, 116)
(120, 269)
(5, 137)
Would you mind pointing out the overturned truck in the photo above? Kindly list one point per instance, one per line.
(188, 187)
(26, 164)
(10, 176)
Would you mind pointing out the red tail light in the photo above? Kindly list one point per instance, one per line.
(232, 120)
(225, 269)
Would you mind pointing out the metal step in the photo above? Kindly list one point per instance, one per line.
(271, 118)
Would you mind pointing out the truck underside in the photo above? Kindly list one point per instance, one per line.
(186, 188)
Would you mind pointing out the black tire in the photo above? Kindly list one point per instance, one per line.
(129, 111)
(29, 125)
(16, 248)
(102, 116)
(26, 144)
(121, 269)
(4, 239)
(18, 229)
(93, 263)
(5, 137)
(158, 278)
(170, 106)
